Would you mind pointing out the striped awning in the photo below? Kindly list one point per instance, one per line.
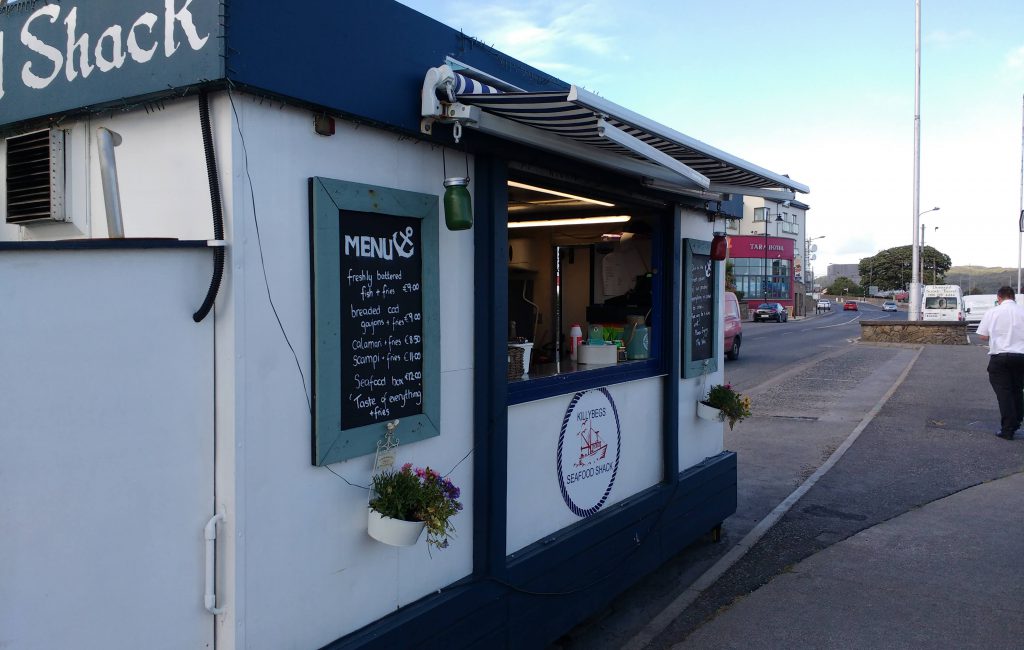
(601, 126)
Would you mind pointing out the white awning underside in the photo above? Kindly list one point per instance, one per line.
(588, 126)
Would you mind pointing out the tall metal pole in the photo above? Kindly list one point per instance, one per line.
(765, 254)
(922, 251)
(1020, 223)
(914, 313)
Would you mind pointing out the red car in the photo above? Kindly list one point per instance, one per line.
(850, 305)
(733, 329)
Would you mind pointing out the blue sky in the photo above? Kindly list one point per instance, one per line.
(822, 91)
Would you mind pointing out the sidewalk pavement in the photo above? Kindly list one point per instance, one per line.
(876, 509)
(912, 538)
(947, 575)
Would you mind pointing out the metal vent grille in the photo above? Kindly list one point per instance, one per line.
(35, 177)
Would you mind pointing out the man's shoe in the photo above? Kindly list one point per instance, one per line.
(1005, 436)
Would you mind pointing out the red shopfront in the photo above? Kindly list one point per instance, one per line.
(762, 269)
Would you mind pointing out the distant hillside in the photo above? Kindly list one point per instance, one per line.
(983, 279)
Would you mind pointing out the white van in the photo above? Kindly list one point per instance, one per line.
(976, 306)
(943, 302)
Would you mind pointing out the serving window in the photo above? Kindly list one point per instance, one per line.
(584, 286)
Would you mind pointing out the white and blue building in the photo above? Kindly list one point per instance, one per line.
(226, 265)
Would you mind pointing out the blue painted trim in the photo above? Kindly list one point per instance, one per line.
(673, 351)
(559, 581)
(490, 415)
(573, 382)
(332, 440)
(103, 244)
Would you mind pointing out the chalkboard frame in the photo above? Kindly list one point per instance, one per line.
(696, 367)
(332, 441)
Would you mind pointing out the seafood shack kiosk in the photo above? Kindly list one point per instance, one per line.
(250, 253)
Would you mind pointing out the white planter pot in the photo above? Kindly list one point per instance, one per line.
(706, 412)
(393, 531)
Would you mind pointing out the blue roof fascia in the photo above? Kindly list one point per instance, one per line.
(362, 58)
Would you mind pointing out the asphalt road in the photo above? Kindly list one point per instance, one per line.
(769, 348)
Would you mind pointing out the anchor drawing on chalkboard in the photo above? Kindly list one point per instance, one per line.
(406, 248)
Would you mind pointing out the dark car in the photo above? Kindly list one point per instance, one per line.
(771, 311)
(849, 305)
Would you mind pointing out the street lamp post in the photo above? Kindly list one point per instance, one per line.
(778, 217)
(914, 309)
(809, 250)
(922, 251)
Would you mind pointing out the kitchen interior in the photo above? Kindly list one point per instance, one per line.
(581, 276)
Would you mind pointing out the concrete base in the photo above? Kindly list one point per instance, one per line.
(940, 332)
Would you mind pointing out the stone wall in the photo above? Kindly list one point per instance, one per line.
(940, 332)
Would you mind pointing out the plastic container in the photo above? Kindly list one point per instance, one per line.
(575, 339)
(598, 355)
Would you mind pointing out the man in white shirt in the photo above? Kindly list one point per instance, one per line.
(1003, 328)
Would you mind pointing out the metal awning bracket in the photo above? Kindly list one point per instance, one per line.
(438, 103)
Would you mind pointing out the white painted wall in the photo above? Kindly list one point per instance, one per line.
(535, 504)
(106, 449)
(699, 439)
(161, 173)
(311, 573)
(297, 568)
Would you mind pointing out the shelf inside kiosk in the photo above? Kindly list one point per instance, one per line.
(580, 283)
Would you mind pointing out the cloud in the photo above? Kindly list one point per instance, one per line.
(1015, 59)
(546, 34)
(943, 38)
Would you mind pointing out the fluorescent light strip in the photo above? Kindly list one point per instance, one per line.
(544, 190)
(582, 221)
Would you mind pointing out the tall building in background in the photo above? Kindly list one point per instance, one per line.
(768, 251)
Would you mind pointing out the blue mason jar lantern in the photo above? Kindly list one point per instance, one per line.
(458, 208)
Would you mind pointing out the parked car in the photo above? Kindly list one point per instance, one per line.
(733, 326)
(825, 303)
(889, 305)
(771, 311)
(850, 305)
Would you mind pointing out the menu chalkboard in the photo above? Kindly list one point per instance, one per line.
(700, 303)
(381, 317)
(702, 306)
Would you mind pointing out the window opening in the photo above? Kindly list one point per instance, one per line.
(576, 260)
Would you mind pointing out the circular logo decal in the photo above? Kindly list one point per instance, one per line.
(588, 451)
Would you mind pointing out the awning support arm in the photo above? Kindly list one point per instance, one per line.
(641, 148)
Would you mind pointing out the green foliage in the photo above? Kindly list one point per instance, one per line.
(893, 267)
(734, 406)
(418, 494)
(843, 282)
(981, 279)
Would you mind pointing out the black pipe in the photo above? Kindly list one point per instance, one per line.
(218, 213)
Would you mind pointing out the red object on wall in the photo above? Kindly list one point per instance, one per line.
(719, 247)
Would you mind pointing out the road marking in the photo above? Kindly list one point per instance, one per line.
(857, 317)
(674, 609)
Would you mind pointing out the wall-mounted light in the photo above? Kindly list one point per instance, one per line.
(719, 247)
(581, 221)
(458, 207)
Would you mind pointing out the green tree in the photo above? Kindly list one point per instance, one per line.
(845, 286)
(892, 268)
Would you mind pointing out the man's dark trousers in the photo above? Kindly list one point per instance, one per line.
(1006, 374)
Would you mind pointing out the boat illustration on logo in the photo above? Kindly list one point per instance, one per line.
(592, 448)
